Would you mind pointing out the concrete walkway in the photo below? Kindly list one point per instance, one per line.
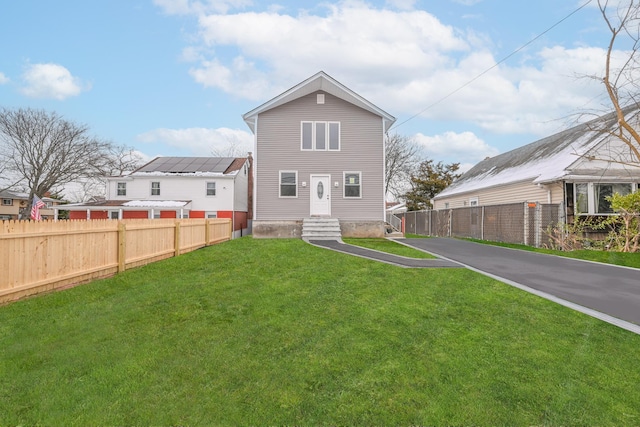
(604, 291)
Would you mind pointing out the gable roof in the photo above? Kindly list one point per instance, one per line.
(546, 160)
(324, 82)
(192, 165)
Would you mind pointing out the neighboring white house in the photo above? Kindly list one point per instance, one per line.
(178, 187)
(319, 151)
(579, 167)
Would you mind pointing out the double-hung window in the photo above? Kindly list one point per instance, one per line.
(288, 184)
(7, 202)
(122, 189)
(155, 188)
(352, 187)
(320, 136)
(211, 188)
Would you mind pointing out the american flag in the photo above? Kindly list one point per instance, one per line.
(35, 208)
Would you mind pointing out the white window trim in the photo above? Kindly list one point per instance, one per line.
(313, 136)
(118, 188)
(159, 188)
(591, 197)
(7, 204)
(344, 184)
(206, 189)
(280, 184)
(473, 202)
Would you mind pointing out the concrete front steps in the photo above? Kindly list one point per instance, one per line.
(319, 228)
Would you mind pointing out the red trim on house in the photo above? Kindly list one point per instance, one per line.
(239, 218)
(98, 215)
(196, 214)
(135, 214)
(77, 214)
(168, 214)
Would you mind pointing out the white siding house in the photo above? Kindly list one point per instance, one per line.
(178, 187)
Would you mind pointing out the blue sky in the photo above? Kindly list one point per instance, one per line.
(173, 77)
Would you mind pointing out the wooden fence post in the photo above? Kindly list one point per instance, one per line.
(122, 246)
(207, 236)
(177, 237)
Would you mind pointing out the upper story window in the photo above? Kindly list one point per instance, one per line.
(352, 185)
(122, 189)
(155, 188)
(320, 136)
(211, 188)
(592, 198)
(7, 202)
(288, 184)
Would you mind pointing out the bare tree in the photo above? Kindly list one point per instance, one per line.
(401, 159)
(621, 77)
(44, 151)
(119, 160)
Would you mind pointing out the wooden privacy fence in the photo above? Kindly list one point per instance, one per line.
(40, 256)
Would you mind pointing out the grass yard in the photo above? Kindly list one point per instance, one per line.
(275, 332)
(389, 246)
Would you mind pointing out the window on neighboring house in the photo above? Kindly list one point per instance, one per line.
(352, 185)
(473, 201)
(211, 188)
(155, 188)
(603, 191)
(320, 136)
(122, 189)
(592, 198)
(288, 184)
(212, 215)
(114, 215)
(7, 202)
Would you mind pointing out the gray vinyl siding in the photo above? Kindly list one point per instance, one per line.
(279, 149)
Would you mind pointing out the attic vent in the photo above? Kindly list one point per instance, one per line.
(321, 98)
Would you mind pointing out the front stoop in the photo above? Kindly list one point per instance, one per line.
(318, 228)
(394, 235)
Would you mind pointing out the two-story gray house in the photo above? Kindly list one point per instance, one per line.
(319, 152)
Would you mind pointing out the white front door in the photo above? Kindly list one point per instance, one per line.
(320, 195)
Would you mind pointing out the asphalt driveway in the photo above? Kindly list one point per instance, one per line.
(608, 292)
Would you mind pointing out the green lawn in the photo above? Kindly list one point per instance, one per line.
(389, 246)
(278, 332)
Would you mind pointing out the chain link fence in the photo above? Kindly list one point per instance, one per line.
(522, 223)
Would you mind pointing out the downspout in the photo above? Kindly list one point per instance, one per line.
(233, 208)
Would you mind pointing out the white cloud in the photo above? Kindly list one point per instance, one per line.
(194, 7)
(465, 147)
(346, 42)
(421, 65)
(51, 81)
(3, 79)
(201, 141)
(402, 4)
